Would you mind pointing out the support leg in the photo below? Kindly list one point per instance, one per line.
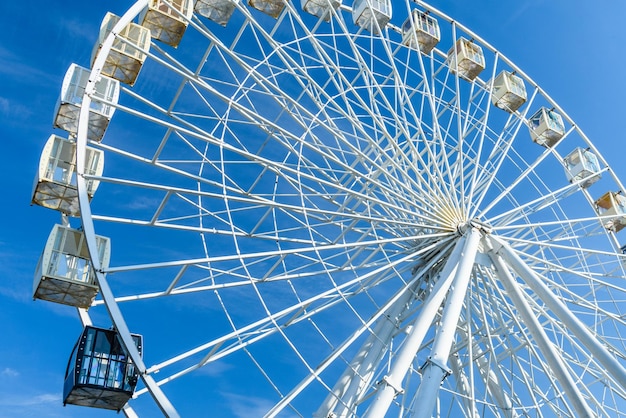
(460, 261)
(547, 348)
(436, 368)
(565, 315)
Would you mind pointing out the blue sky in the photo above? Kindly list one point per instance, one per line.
(574, 52)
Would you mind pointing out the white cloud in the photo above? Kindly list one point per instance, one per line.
(9, 372)
(215, 369)
(14, 67)
(4, 105)
(521, 10)
(46, 398)
(80, 28)
(248, 406)
(13, 111)
(27, 401)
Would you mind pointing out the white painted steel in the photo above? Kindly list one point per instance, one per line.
(452, 275)
(436, 368)
(83, 198)
(554, 359)
(564, 314)
(295, 190)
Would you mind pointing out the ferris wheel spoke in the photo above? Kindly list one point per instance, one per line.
(478, 172)
(523, 176)
(406, 94)
(447, 111)
(381, 311)
(256, 113)
(428, 97)
(263, 328)
(438, 155)
(346, 392)
(554, 244)
(498, 388)
(288, 61)
(283, 170)
(501, 150)
(462, 118)
(544, 202)
(587, 227)
(227, 277)
(379, 92)
(274, 253)
(525, 360)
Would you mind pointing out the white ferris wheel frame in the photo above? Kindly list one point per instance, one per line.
(456, 276)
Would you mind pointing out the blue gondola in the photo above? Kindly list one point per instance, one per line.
(100, 373)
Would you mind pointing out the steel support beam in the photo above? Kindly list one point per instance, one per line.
(391, 384)
(492, 380)
(436, 368)
(107, 295)
(547, 348)
(357, 378)
(581, 331)
(360, 372)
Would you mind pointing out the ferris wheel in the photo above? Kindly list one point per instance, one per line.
(330, 210)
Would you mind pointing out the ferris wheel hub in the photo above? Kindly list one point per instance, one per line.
(483, 227)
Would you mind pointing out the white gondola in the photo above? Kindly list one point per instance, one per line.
(582, 164)
(128, 52)
(55, 184)
(509, 92)
(467, 58)
(70, 102)
(421, 31)
(613, 206)
(546, 127)
(167, 19)
(218, 11)
(64, 273)
(100, 374)
(320, 8)
(372, 15)
(269, 7)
